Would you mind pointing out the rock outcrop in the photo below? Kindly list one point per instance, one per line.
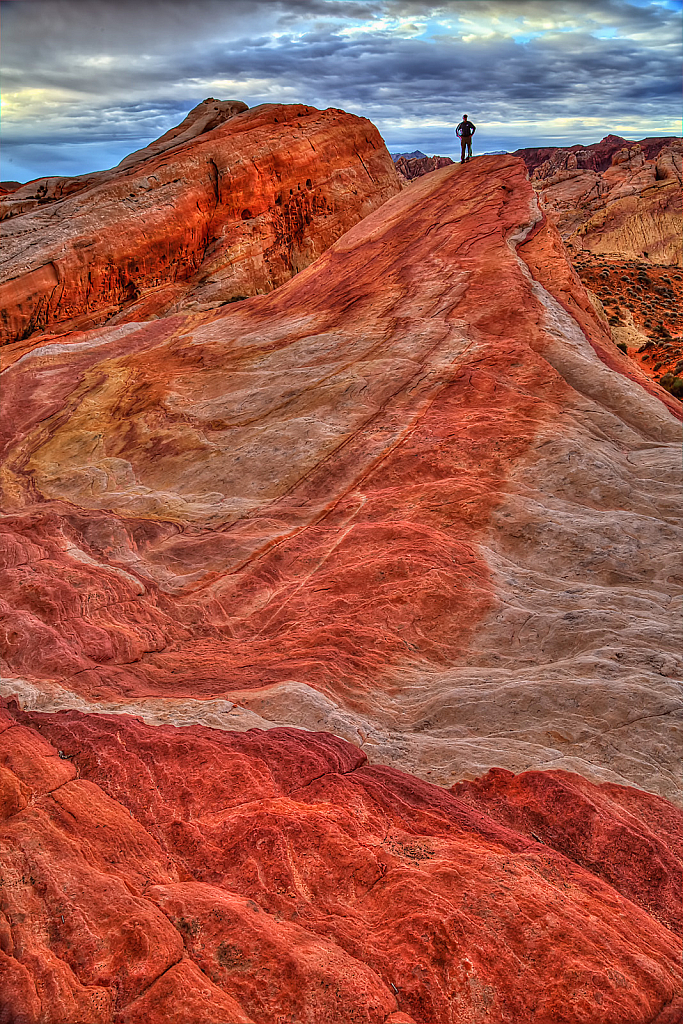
(615, 197)
(42, 191)
(411, 167)
(153, 874)
(411, 497)
(228, 204)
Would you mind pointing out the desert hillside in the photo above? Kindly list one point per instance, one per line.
(340, 624)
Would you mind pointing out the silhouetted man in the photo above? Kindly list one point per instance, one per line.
(465, 131)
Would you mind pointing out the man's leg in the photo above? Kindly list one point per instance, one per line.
(463, 143)
(469, 148)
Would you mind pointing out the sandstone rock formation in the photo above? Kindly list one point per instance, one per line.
(271, 570)
(154, 874)
(411, 497)
(41, 191)
(226, 205)
(615, 197)
(411, 167)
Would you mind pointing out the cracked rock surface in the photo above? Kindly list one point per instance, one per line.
(154, 874)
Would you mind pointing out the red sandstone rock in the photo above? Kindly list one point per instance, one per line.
(596, 157)
(203, 118)
(215, 210)
(415, 497)
(194, 874)
(631, 839)
(410, 497)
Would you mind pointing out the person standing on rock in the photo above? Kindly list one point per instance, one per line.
(465, 131)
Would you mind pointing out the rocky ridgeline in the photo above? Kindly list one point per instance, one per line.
(338, 625)
(615, 198)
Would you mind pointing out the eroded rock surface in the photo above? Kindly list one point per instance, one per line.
(415, 497)
(410, 167)
(615, 197)
(155, 874)
(230, 203)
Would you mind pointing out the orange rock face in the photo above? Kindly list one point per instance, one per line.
(155, 874)
(227, 205)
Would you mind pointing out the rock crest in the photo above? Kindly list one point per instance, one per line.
(614, 198)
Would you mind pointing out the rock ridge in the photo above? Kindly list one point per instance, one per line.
(415, 482)
(615, 197)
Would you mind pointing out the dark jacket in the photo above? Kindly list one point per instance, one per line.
(465, 129)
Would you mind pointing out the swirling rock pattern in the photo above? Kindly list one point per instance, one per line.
(415, 497)
(226, 205)
(162, 874)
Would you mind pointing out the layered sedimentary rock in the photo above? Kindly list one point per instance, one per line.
(415, 497)
(615, 197)
(228, 204)
(154, 874)
(42, 191)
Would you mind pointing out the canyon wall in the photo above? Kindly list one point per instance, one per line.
(614, 197)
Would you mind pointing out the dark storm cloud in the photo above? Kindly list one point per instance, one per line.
(117, 73)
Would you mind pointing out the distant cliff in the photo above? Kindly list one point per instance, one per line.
(414, 165)
(615, 196)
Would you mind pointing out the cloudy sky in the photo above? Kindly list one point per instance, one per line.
(84, 82)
